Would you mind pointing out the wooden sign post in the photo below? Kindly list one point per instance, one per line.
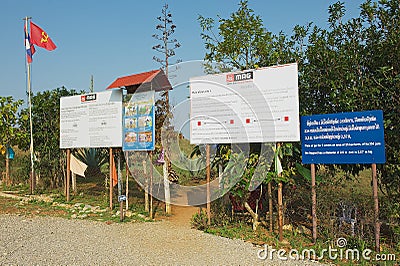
(127, 183)
(314, 204)
(208, 184)
(151, 185)
(111, 178)
(344, 138)
(376, 207)
(68, 173)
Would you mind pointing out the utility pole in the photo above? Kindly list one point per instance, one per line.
(91, 84)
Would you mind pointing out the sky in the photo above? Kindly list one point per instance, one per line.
(110, 39)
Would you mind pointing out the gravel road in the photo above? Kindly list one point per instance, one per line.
(59, 241)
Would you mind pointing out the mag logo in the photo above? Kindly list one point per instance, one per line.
(88, 98)
(239, 77)
(230, 78)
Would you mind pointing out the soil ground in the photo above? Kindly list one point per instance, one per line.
(181, 215)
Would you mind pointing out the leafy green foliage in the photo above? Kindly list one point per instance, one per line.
(10, 132)
(351, 66)
(355, 66)
(94, 158)
(239, 41)
(199, 220)
(383, 65)
(49, 159)
(306, 173)
(242, 42)
(238, 162)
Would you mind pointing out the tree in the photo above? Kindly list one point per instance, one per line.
(333, 76)
(166, 47)
(382, 68)
(354, 66)
(10, 132)
(239, 42)
(49, 159)
(350, 66)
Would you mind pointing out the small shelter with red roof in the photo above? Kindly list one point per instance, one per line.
(147, 81)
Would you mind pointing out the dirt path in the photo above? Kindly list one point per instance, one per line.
(182, 215)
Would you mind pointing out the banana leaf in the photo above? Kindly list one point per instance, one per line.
(306, 173)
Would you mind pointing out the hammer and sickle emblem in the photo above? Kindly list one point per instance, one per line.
(44, 37)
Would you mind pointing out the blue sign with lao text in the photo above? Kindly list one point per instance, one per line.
(343, 138)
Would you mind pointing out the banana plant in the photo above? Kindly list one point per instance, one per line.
(284, 170)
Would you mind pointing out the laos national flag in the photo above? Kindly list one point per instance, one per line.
(30, 49)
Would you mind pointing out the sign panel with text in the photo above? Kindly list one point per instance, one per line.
(250, 106)
(343, 138)
(91, 121)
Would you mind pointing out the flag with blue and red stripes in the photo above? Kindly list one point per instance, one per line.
(30, 49)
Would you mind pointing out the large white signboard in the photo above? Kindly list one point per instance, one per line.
(91, 120)
(250, 106)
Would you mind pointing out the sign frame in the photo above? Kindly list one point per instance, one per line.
(91, 120)
(139, 122)
(343, 138)
(260, 105)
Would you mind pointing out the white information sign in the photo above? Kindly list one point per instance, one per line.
(91, 120)
(250, 106)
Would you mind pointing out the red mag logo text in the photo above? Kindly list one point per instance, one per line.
(239, 77)
(88, 98)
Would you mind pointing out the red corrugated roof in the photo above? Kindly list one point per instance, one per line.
(156, 78)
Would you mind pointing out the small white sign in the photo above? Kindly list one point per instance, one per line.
(121, 198)
(92, 120)
(250, 106)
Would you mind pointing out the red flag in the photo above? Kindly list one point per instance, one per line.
(114, 175)
(40, 38)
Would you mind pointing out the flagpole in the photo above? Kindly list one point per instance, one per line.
(28, 66)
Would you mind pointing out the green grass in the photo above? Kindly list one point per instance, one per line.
(297, 241)
(356, 190)
(90, 191)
